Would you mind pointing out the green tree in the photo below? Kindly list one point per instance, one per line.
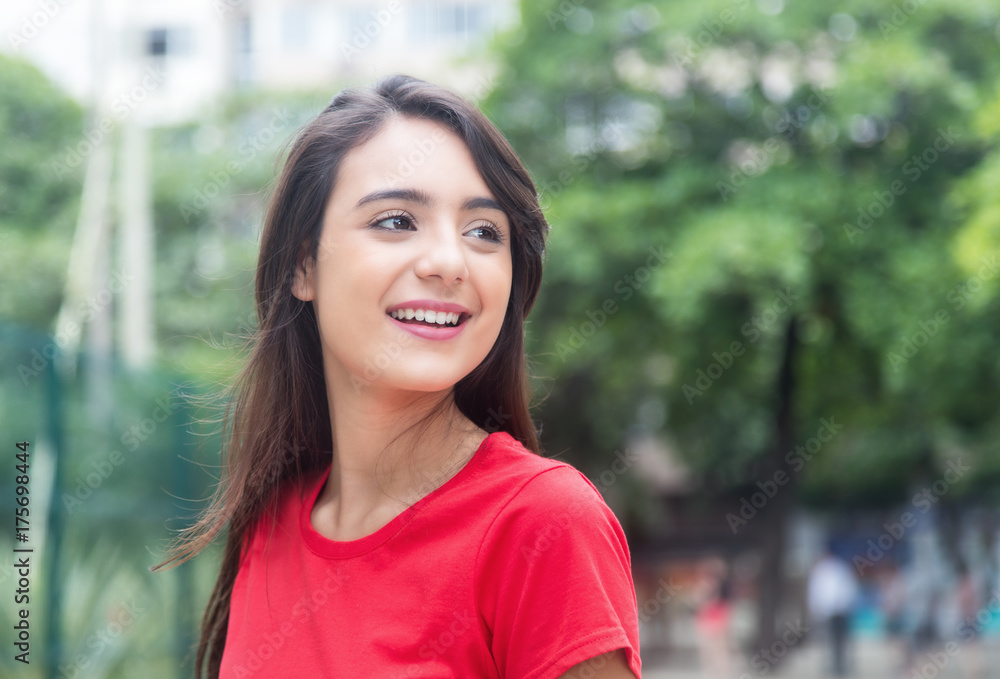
(37, 204)
(812, 175)
(211, 181)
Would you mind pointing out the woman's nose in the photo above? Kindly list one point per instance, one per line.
(442, 254)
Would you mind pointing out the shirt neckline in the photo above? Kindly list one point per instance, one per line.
(336, 549)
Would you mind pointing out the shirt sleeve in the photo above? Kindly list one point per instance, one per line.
(556, 585)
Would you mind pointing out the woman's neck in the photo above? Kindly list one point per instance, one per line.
(390, 450)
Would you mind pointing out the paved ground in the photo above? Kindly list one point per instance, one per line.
(873, 659)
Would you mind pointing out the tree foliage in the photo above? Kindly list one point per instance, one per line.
(821, 179)
(38, 205)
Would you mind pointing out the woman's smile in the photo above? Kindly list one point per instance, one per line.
(430, 319)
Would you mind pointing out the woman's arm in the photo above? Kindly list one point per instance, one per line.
(608, 666)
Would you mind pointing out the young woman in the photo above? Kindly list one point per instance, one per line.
(388, 513)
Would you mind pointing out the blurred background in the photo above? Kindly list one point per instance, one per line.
(768, 328)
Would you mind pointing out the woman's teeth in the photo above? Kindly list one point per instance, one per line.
(435, 317)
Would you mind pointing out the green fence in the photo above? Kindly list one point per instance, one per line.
(114, 467)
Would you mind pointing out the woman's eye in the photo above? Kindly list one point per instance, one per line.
(395, 223)
(487, 232)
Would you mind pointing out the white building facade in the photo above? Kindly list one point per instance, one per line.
(182, 55)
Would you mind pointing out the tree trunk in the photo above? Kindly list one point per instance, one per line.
(775, 518)
(135, 311)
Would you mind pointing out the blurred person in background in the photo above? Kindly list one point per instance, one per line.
(833, 590)
(713, 612)
(924, 602)
(970, 604)
(892, 600)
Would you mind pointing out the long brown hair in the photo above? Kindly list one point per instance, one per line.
(277, 418)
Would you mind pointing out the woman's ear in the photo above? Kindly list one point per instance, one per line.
(303, 286)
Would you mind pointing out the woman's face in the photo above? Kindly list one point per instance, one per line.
(411, 234)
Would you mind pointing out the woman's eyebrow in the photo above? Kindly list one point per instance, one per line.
(422, 198)
(481, 202)
(410, 195)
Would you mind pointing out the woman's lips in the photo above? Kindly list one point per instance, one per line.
(431, 332)
(429, 318)
(429, 305)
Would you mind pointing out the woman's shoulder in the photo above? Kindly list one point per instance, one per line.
(538, 490)
(531, 474)
(553, 574)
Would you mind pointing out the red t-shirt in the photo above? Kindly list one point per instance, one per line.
(515, 568)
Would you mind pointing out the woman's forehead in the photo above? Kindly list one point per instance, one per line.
(410, 153)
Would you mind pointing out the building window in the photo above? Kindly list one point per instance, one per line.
(244, 36)
(244, 51)
(450, 20)
(163, 42)
(156, 42)
(295, 29)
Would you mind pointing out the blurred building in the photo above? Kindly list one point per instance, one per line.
(138, 64)
(181, 55)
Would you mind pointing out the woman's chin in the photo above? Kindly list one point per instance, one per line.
(430, 383)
